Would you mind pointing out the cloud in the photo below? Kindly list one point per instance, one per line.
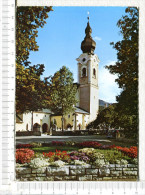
(108, 88)
(97, 38)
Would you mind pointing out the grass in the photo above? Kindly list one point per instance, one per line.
(54, 148)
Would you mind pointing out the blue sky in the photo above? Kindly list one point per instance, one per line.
(60, 40)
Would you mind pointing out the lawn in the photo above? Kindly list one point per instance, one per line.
(54, 148)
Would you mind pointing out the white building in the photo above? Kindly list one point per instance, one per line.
(87, 93)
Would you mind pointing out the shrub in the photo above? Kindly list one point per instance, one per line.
(24, 155)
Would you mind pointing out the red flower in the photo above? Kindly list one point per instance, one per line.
(24, 155)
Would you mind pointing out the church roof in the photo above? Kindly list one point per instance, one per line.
(80, 110)
(88, 45)
(77, 110)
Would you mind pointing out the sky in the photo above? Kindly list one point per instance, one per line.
(60, 40)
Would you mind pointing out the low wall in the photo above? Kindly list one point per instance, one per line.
(78, 173)
(28, 133)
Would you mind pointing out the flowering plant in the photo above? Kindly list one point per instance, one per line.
(131, 152)
(58, 155)
(99, 163)
(87, 150)
(24, 146)
(77, 155)
(121, 162)
(58, 143)
(38, 162)
(58, 163)
(89, 144)
(24, 155)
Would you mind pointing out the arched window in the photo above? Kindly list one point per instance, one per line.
(94, 73)
(84, 72)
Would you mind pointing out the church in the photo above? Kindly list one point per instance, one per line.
(86, 109)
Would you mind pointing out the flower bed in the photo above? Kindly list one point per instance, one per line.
(91, 162)
(24, 155)
(131, 152)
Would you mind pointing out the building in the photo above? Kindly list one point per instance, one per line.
(87, 107)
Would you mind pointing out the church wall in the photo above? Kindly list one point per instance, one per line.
(68, 119)
(39, 118)
(26, 120)
(94, 101)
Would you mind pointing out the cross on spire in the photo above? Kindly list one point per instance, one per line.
(88, 16)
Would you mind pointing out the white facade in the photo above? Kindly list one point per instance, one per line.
(88, 80)
(41, 118)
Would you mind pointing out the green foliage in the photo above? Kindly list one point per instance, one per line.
(106, 118)
(63, 92)
(31, 91)
(113, 155)
(126, 68)
(28, 20)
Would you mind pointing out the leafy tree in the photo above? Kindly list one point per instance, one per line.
(28, 20)
(126, 68)
(63, 92)
(31, 91)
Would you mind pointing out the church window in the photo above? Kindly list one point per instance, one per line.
(84, 72)
(84, 59)
(94, 73)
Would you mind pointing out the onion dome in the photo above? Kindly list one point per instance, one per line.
(88, 44)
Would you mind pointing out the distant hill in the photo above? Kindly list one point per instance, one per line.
(103, 103)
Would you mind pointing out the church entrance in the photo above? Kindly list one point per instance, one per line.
(44, 128)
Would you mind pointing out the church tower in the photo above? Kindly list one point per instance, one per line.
(88, 75)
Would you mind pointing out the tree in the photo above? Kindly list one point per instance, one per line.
(28, 20)
(63, 92)
(31, 91)
(126, 68)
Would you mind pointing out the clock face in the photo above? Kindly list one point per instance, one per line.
(84, 59)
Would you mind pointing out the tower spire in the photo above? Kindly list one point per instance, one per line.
(88, 44)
